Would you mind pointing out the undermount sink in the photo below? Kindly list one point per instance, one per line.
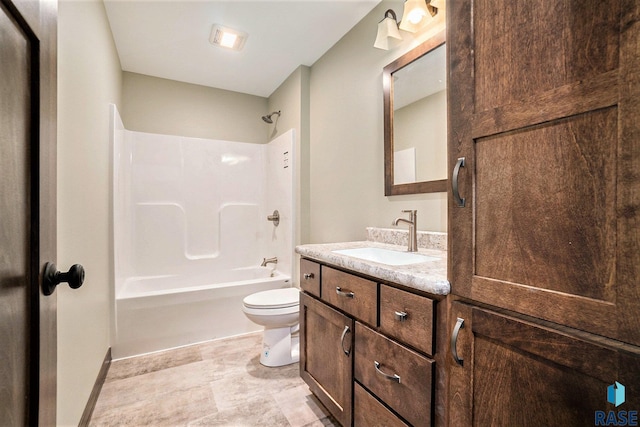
(386, 256)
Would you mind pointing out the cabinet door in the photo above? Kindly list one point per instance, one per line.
(326, 357)
(543, 107)
(516, 373)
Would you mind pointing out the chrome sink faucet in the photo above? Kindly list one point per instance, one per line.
(413, 224)
(266, 261)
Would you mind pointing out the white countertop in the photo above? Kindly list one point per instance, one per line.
(428, 276)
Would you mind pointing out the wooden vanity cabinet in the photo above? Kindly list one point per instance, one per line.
(382, 373)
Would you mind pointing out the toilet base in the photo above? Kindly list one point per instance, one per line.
(280, 346)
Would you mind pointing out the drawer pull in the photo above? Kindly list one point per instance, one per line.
(308, 276)
(454, 341)
(347, 294)
(344, 333)
(401, 316)
(394, 377)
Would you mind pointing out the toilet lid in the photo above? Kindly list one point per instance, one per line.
(275, 298)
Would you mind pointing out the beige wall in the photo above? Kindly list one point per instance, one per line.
(155, 105)
(89, 78)
(292, 98)
(346, 170)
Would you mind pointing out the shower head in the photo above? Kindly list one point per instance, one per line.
(268, 118)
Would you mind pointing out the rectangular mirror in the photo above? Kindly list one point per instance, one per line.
(415, 120)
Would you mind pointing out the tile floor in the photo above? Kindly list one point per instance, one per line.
(219, 383)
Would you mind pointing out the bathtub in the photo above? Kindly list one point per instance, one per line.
(160, 312)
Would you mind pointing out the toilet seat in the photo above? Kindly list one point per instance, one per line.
(286, 298)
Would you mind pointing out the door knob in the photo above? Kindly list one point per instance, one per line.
(52, 277)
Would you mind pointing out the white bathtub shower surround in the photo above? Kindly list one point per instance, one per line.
(190, 232)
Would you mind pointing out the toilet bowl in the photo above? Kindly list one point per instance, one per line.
(278, 311)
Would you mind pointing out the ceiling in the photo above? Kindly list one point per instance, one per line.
(170, 39)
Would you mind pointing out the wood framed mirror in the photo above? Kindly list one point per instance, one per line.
(415, 120)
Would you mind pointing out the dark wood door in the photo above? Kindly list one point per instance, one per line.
(514, 372)
(326, 356)
(27, 211)
(544, 109)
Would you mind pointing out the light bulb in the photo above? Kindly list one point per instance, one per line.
(415, 16)
(228, 40)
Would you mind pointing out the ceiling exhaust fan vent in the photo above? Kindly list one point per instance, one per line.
(227, 37)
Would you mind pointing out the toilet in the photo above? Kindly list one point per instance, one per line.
(278, 311)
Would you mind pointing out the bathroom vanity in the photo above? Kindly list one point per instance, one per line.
(368, 347)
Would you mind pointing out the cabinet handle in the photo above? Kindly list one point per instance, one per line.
(308, 276)
(394, 377)
(344, 333)
(454, 182)
(347, 294)
(400, 316)
(454, 341)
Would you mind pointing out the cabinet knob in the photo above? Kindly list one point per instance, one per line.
(308, 276)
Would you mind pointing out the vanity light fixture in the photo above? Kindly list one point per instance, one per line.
(387, 28)
(415, 12)
(227, 37)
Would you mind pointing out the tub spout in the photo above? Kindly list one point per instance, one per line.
(266, 261)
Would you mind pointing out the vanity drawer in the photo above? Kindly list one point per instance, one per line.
(378, 360)
(310, 277)
(369, 412)
(352, 294)
(407, 317)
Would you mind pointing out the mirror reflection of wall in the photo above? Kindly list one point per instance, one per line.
(420, 119)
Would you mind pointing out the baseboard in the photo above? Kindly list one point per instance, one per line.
(95, 393)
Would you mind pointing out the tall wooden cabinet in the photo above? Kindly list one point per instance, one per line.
(545, 110)
(544, 213)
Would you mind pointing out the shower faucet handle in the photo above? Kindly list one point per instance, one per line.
(275, 218)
